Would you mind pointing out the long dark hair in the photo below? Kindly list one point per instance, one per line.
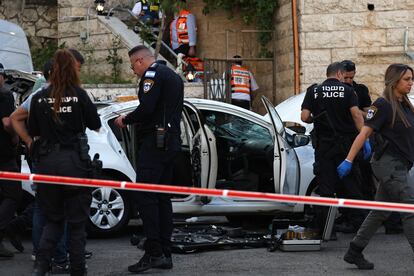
(63, 78)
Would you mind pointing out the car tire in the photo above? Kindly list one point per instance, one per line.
(110, 211)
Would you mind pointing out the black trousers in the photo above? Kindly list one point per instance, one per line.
(241, 103)
(10, 195)
(182, 49)
(328, 156)
(155, 166)
(62, 203)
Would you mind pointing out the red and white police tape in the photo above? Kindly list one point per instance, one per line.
(325, 201)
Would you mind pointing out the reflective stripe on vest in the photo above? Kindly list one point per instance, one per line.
(182, 28)
(240, 79)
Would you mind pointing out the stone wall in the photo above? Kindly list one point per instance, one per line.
(75, 21)
(103, 92)
(333, 30)
(221, 37)
(38, 19)
(284, 51)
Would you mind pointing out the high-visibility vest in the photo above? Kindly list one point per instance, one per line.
(240, 79)
(181, 27)
(151, 8)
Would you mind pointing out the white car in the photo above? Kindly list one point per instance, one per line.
(224, 147)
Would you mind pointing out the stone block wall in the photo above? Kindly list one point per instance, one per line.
(333, 30)
(220, 37)
(38, 20)
(74, 20)
(284, 51)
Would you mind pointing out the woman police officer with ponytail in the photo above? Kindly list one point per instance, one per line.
(58, 117)
(392, 119)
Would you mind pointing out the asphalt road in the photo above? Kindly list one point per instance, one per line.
(391, 254)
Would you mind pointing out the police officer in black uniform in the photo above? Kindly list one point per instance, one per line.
(333, 108)
(58, 117)
(392, 119)
(364, 100)
(10, 191)
(158, 115)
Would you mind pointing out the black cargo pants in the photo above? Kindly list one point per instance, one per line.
(63, 203)
(10, 195)
(328, 156)
(155, 166)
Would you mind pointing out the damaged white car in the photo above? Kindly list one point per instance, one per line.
(223, 147)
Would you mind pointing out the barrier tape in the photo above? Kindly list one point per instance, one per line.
(323, 201)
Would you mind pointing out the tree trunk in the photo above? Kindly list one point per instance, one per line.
(159, 38)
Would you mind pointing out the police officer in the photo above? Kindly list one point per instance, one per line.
(161, 93)
(392, 118)
(364, 100)
(393, 223)
(333, 108)
(10, 191)
(58, 117)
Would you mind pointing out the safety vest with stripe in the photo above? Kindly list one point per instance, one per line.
(181, 27)
(152, 8)
(240, 79)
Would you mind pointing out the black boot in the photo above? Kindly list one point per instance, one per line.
(147, 262)
(354, 256)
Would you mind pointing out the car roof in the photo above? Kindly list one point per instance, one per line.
(116, 107)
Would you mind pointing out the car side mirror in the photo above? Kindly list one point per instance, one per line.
(300, 140)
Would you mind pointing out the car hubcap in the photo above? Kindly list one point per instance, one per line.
(107, 208)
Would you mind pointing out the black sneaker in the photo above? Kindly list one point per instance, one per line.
(14, 239)
(4, 252)
(357, 258)
(60, 268)
(147, 262)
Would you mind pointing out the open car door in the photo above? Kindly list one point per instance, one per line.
(202, 147)
(279, 153)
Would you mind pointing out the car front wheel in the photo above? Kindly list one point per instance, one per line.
(109, 211)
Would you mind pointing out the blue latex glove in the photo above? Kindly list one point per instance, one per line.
(366, 150)
(344, 168)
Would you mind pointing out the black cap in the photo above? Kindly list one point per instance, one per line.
(2, 69)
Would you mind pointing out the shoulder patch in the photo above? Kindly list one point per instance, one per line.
(150, 74)
(372, 110)
(148, 84)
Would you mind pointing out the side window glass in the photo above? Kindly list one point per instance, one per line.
(192, 116)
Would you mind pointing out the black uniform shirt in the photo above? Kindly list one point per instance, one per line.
(161, 96)
(76, 113)
(8, 151)
(364, 100)
(401, 138)
(336, 99)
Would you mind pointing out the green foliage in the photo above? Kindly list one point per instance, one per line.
(258, 12)
(41, 55)
(115, 59)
